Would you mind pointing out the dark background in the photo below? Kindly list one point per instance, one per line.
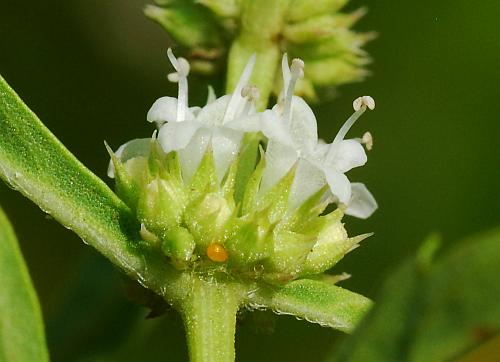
(90, 69)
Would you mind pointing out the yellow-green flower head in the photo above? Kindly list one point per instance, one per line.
(224, 188)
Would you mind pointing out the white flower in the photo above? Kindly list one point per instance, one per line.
(221, 123)
(190, 130)
(290, 127)
(292, 131)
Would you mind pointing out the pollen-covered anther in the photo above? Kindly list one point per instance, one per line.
(183, 71)
(297, 68)
(216, 252)
(367, 101)
(367, 140)
(173, 77)
(250, 92)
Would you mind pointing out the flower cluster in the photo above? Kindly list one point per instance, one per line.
(225, 187)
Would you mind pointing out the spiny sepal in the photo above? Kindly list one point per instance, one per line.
(201, 224)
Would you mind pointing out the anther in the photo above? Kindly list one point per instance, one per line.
(184, 67)
(251, 92)
(297, 68)
(367, 140)
(173, 77)
(367, 101)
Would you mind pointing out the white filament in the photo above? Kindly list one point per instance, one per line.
(181, 67)
(360, 104)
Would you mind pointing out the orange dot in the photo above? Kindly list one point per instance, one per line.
(217, 253)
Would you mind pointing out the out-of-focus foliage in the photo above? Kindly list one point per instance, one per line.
(320, 32)
(433, 311)
(22, 336)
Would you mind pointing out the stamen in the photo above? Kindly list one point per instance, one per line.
(236, 97)
(360, 104)
(296, 71)
(252, 94)
(367, 140)
(181, 66)
(363, 101)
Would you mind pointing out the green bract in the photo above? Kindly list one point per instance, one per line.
(229, 226)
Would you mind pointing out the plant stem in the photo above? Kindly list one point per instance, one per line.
(261, 25)
(209, 313)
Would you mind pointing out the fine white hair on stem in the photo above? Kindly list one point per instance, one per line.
(181, 67)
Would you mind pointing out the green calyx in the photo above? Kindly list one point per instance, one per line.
(210, 31)
(229, 227)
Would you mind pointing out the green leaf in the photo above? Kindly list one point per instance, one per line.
(315, 301)
(22, 336)
(437, 311)
(34, 162)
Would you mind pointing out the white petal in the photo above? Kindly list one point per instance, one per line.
(362, 203)
(309, 179)
(349, 154)
(191, 156)
(279, 159)
(226, 145)
(303, 126)
(339, 185)
(285, 70)
(274, 128)
(246, 124)
(211, 95)
(192, 112)
(163, 110)
(213, 114)
(321, 149)
(174, 136)
(134, 148)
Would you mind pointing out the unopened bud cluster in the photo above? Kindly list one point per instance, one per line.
(316, 31)
(226, 189)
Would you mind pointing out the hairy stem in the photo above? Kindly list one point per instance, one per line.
(209, 313)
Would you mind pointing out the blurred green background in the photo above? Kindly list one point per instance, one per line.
(90, 69)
